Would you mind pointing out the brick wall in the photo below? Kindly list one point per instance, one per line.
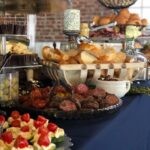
(50, 25)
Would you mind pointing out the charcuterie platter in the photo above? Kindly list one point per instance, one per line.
(84, 102)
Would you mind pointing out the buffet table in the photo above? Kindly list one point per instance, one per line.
(128, 129)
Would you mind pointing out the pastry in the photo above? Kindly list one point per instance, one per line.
(134, 16)
(87, 58)
(124, 13)
(144, 22)
(112, 17)
(93, 49)
(104, 21)
(134, 22)
(51, 54)
(96, 20)
(121, 20)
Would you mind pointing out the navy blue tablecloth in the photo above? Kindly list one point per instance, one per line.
(128, 129)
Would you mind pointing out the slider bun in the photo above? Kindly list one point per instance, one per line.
(134, 16)
(144, 22)
(111, 17)
(121, 20)
(134, 22)
(104, 21)
(124, 13)
(96, 20)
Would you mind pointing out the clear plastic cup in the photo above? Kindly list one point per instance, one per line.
(9, 87)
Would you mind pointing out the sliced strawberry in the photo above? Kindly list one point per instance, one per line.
(25, 129)
(7, 137)
(52, 127)
(2, 119)
(21, 142)
(41, 119)
(38, 124)
(44, 140)
(15, 123)
(15, 114)
(26, 117)
(43, 131)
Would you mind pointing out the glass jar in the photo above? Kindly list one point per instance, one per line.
(9, 87)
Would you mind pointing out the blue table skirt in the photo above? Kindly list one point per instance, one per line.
(128, 129)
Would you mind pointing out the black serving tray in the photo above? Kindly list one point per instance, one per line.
(80, 114)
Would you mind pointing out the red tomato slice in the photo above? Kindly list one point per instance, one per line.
(2, 119)
(44, 140)
(25, 117)
(52, 127)
(21, 142)
(41, 119)
(38, 124)
(7, 137)
(15, 123)
(15, 114)
(25, 129)
(43, 130)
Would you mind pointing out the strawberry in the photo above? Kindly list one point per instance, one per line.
(44, 140)
(38, 124)
(52, 127)
(15, 123)
(25, 129)
(41, 119)
(21, 142)
(25, 117)
(7, 137)
(43, 131)
(15, 114)
(2, 119)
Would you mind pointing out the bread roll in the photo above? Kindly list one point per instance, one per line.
(112, 17)
(45, 52)
(108, 58)
(134, 22)
(134, 17)
(144, 22)
(87, 58)
(121, 57)
(104, 21)
(93, 49)
(121, 20)
(49, 53)
(66, 55)
(124, 13)
(96, 20)
(69, 61)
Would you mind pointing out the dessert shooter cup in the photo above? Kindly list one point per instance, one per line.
(9, 88)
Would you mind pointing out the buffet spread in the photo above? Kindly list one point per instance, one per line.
(88, 78)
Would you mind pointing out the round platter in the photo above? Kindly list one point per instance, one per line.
(66, 145)
(80, 114)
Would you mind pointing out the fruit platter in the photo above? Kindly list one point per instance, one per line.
(21, 132)
(57, 102)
